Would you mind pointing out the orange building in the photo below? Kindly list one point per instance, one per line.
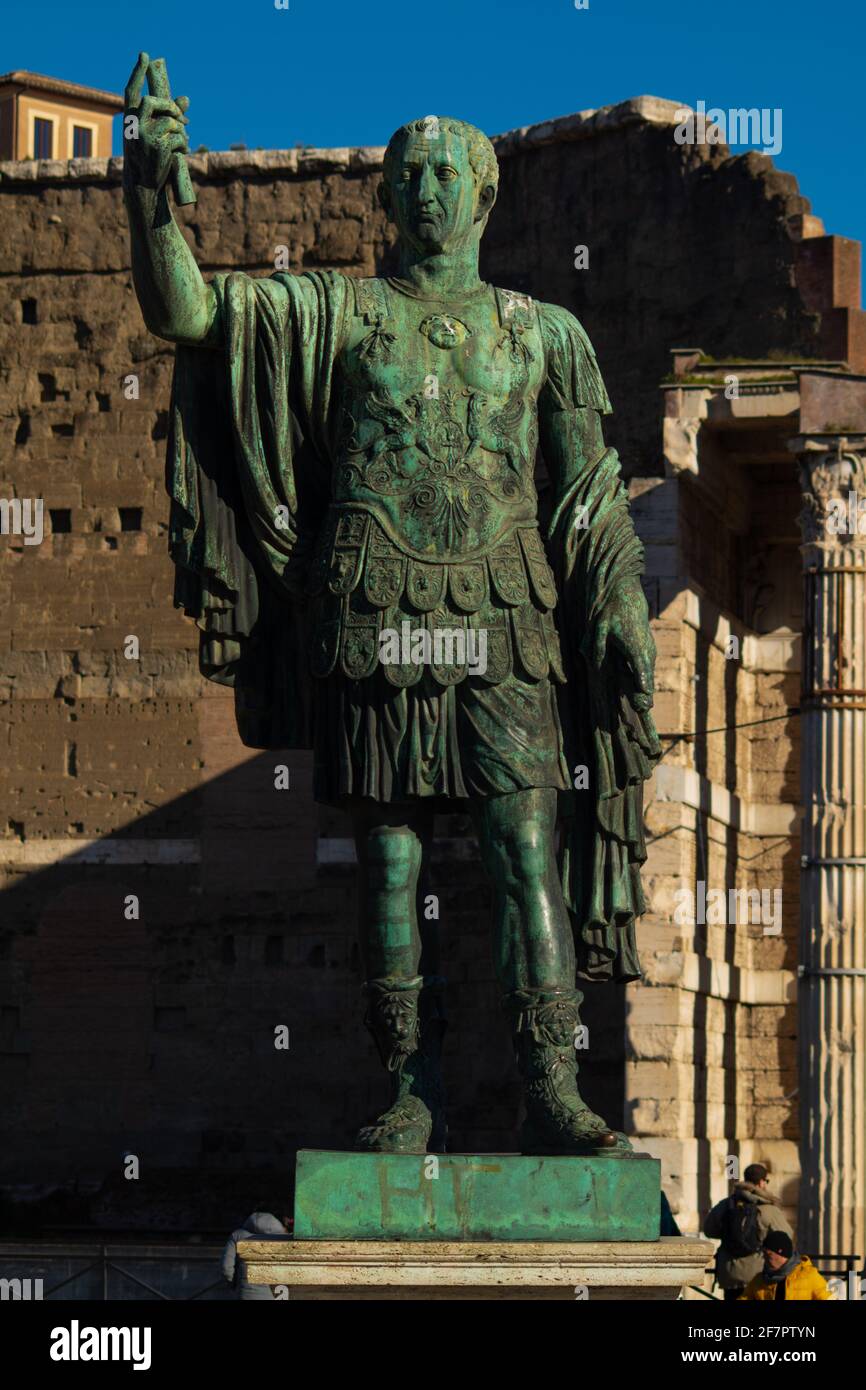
(46, 118)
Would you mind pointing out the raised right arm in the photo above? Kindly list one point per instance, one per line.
(175, 301)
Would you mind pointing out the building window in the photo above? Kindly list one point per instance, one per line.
(43, 141)
(82, 142)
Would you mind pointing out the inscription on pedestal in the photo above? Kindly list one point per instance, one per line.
(359, 1196)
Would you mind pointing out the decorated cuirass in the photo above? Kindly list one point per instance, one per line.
(434, 511)
(439, 418)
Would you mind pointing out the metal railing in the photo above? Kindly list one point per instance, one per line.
(104, 1261)
(851, 1263)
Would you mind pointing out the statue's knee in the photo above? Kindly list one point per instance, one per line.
(527, 850)
(517, 855)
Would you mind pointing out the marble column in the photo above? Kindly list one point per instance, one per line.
(832, 962)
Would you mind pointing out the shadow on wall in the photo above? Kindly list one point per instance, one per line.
(143, 979)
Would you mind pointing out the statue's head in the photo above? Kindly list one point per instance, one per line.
(439, 183)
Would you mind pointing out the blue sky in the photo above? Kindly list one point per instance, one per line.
(338, 72)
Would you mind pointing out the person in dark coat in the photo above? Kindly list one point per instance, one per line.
(260, 1223)
(668, 1225)
(742, 1223)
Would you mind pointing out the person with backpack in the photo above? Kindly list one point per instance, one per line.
(742, 1223)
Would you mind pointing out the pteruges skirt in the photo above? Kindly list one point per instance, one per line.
(440, 744)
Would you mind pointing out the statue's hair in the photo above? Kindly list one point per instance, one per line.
(482, 156)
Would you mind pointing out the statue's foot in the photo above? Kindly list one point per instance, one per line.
(615, 1143)
(558, 1120)
(404, 1129)
(611, 1141)
(578, 1132)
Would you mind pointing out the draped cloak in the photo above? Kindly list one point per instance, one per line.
(254, 426)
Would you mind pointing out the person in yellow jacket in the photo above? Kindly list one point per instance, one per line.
(786, 1275)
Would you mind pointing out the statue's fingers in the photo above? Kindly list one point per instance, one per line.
(132, 92)
(167, 125)
(641, 666)
(183, 103)
(165, 120)
(643, 669)
(162, 106)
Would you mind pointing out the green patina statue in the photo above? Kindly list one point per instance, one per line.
(355, 530)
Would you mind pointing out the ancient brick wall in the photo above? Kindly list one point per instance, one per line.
(125, 777)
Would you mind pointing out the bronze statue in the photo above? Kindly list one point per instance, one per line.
(355, 530)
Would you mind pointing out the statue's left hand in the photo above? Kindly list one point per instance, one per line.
(624, 621)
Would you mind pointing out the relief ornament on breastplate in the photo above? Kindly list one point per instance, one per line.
(450, 455)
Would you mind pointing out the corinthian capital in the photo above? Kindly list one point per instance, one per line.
(833, 482)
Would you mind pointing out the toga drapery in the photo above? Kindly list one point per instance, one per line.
(254, 424)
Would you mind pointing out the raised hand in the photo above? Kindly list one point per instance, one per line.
(158, 133)
(176, 303)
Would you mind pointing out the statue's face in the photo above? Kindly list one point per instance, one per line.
(433, 196)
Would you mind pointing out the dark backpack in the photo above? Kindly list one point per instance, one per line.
(740, 1227)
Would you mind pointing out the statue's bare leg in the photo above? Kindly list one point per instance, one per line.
(399, 948)
(534, 950)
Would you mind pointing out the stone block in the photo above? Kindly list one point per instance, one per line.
(469, 1270)
(357, 1196)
